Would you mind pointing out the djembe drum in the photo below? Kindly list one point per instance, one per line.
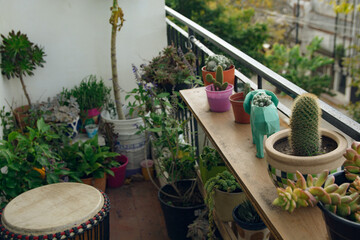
(57, 211)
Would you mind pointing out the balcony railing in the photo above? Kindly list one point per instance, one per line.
(189, 38)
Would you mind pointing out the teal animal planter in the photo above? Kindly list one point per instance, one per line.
(264, 117)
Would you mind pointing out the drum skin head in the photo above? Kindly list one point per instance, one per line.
(52, 208)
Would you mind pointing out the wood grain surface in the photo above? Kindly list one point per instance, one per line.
(234, 143)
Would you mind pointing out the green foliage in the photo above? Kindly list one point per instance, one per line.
(352, 162)
(23, 156)
(211, 158)
(88, 159)
(235, 25)
(305, 137)
(90, 93)
(247, 213)
(19, 56)
(219, 85)
(8, 123)
(302, 69)
(212, 62)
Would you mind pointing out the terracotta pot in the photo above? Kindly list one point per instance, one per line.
(237, 103)
(99, 183)
(226, 202)
(229, 75)
(282, 166)
(21, 114)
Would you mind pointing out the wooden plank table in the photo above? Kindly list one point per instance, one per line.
(234, 143)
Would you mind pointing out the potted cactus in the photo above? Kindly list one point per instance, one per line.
(237, 103)
(218, 92)
(337, 197)
(305, 146)
(211, 64)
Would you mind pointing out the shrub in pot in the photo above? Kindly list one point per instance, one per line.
(223, 194)
(218, 92)
(29, 160)
(248, 222)
(337, 197)
(237, 103)
(88, 162)
(210, 163)
(312, 149)
(211, 64)
(20, 57)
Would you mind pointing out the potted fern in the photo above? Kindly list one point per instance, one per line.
(19, 58)
(211, 64)
(248, 222)
(305, 147)
(218, 92)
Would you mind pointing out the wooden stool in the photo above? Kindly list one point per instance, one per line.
(57, 211)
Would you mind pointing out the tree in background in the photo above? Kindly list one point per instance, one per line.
(304, 70)
(233, 24)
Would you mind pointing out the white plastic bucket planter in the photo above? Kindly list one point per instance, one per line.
(128, 142)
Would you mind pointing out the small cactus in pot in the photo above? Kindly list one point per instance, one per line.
(305, 137)
(219, 84)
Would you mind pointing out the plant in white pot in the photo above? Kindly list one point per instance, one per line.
(305, 147)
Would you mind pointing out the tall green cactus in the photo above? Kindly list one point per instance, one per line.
(219, 83)
(304, 123)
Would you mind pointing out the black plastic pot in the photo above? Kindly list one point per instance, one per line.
(248, 230)
(338, 227)
(178, 218)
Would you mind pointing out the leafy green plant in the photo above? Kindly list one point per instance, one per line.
(305, 136)
(90, 93)
(20, 57)
(225, 182)
(302, 69)
(247, 213)
(212, 62)
(341, 200)
(211, 158)
(8, 123)
(88, 159)
(24, 157)
(219, 84)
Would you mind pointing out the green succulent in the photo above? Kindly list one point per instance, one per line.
(352, 162)
(213, 61)
(262, 100)
(309, 192)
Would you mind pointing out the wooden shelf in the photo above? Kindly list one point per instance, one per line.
(234, 143)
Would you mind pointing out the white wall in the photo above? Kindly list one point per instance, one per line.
(76, 37)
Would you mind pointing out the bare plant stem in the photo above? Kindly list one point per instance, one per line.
(24, 88)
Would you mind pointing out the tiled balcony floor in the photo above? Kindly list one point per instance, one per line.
(136, 213)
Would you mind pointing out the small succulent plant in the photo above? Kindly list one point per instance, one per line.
(59, 110)
(262, 100)
(352, 162)
(340, 200)
(219, 85)
(212, 62)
